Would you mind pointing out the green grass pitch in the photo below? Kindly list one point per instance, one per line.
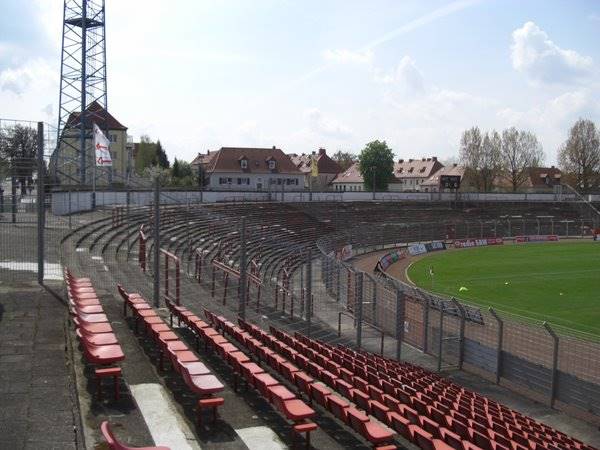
(558, 282)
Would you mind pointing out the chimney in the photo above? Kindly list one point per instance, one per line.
(552, 167)
(410, 160)
(274, 147)
(455, 165)
(422, 159)
(322, 151)
(314, 153)
(428, 159)
(400, 161)
(434, 158)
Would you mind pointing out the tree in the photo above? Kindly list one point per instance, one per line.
(520, 151)
(580, 154)
(376, 160)
(18, 149)
(490, 162)
(161, 156)
(344, 159)
(470, 155)
(146, 154)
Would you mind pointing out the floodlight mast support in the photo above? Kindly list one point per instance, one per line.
(82, 83)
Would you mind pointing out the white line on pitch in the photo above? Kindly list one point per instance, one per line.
(166, 426)
(260, 438)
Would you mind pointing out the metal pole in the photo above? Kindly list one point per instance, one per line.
(554, 379)
(40, 201)
(500, 343)
(373, 170)
(243, 273)
(440, 338)
(308, 291)
(82, 115)
(359, 308)
(13, 193)
(399, 323)
(156, 242)
(425, 324)
(461, 337)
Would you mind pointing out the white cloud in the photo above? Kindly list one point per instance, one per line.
(323, 125)
(345, 56)
(594, 17)
(35, 73)
(533, 53)
(406, 75)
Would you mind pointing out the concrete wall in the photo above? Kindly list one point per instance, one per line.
(82, 200)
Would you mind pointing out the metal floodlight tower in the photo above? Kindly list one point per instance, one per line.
(82, 82)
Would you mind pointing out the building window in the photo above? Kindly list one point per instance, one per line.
(271, 164)
(112, 137)
(244, 163)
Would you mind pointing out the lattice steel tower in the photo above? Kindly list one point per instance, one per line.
(82, 83)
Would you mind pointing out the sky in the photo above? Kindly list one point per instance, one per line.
(305, 74)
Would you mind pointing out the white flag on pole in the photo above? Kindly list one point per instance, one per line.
(101, 146)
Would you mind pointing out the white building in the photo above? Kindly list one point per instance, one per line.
(239, 168)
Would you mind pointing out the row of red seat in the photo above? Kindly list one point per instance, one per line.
(341, 407)
(508, 427)
(457, 415)
(99, 344)
(286, 402)
(197, 377)
(377, 435)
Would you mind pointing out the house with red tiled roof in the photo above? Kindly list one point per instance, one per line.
(244, 168)
(409, 174)
(434, 182)
(538, 179)
(349, 180)
(328, 169)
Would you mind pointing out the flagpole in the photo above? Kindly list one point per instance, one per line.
(94, 182)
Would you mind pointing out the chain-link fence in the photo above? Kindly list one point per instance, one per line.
(281, 259)
(547, 362)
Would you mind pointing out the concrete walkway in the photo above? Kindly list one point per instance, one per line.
(38, 402)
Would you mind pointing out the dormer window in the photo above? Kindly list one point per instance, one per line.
(244, 163)
(271, 164)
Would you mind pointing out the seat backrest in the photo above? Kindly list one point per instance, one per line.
(422, 438)
(357, 419)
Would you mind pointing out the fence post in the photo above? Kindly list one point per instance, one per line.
(399, 322)
(308, 309)
(156, 242)
(499, 347)
(374, 300)
(441, 338)
(243, 273)
(425, 324)
(359, 308)
(41, 213)
(338, 284)
(13, 193)
(461, 336)
(554, 379)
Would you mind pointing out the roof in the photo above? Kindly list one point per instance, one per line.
(538, 175)
(351, 175)
(453, 170)
(227, 160)
(96, 113)
(203, 158)
(324, 162)
(417, 168)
